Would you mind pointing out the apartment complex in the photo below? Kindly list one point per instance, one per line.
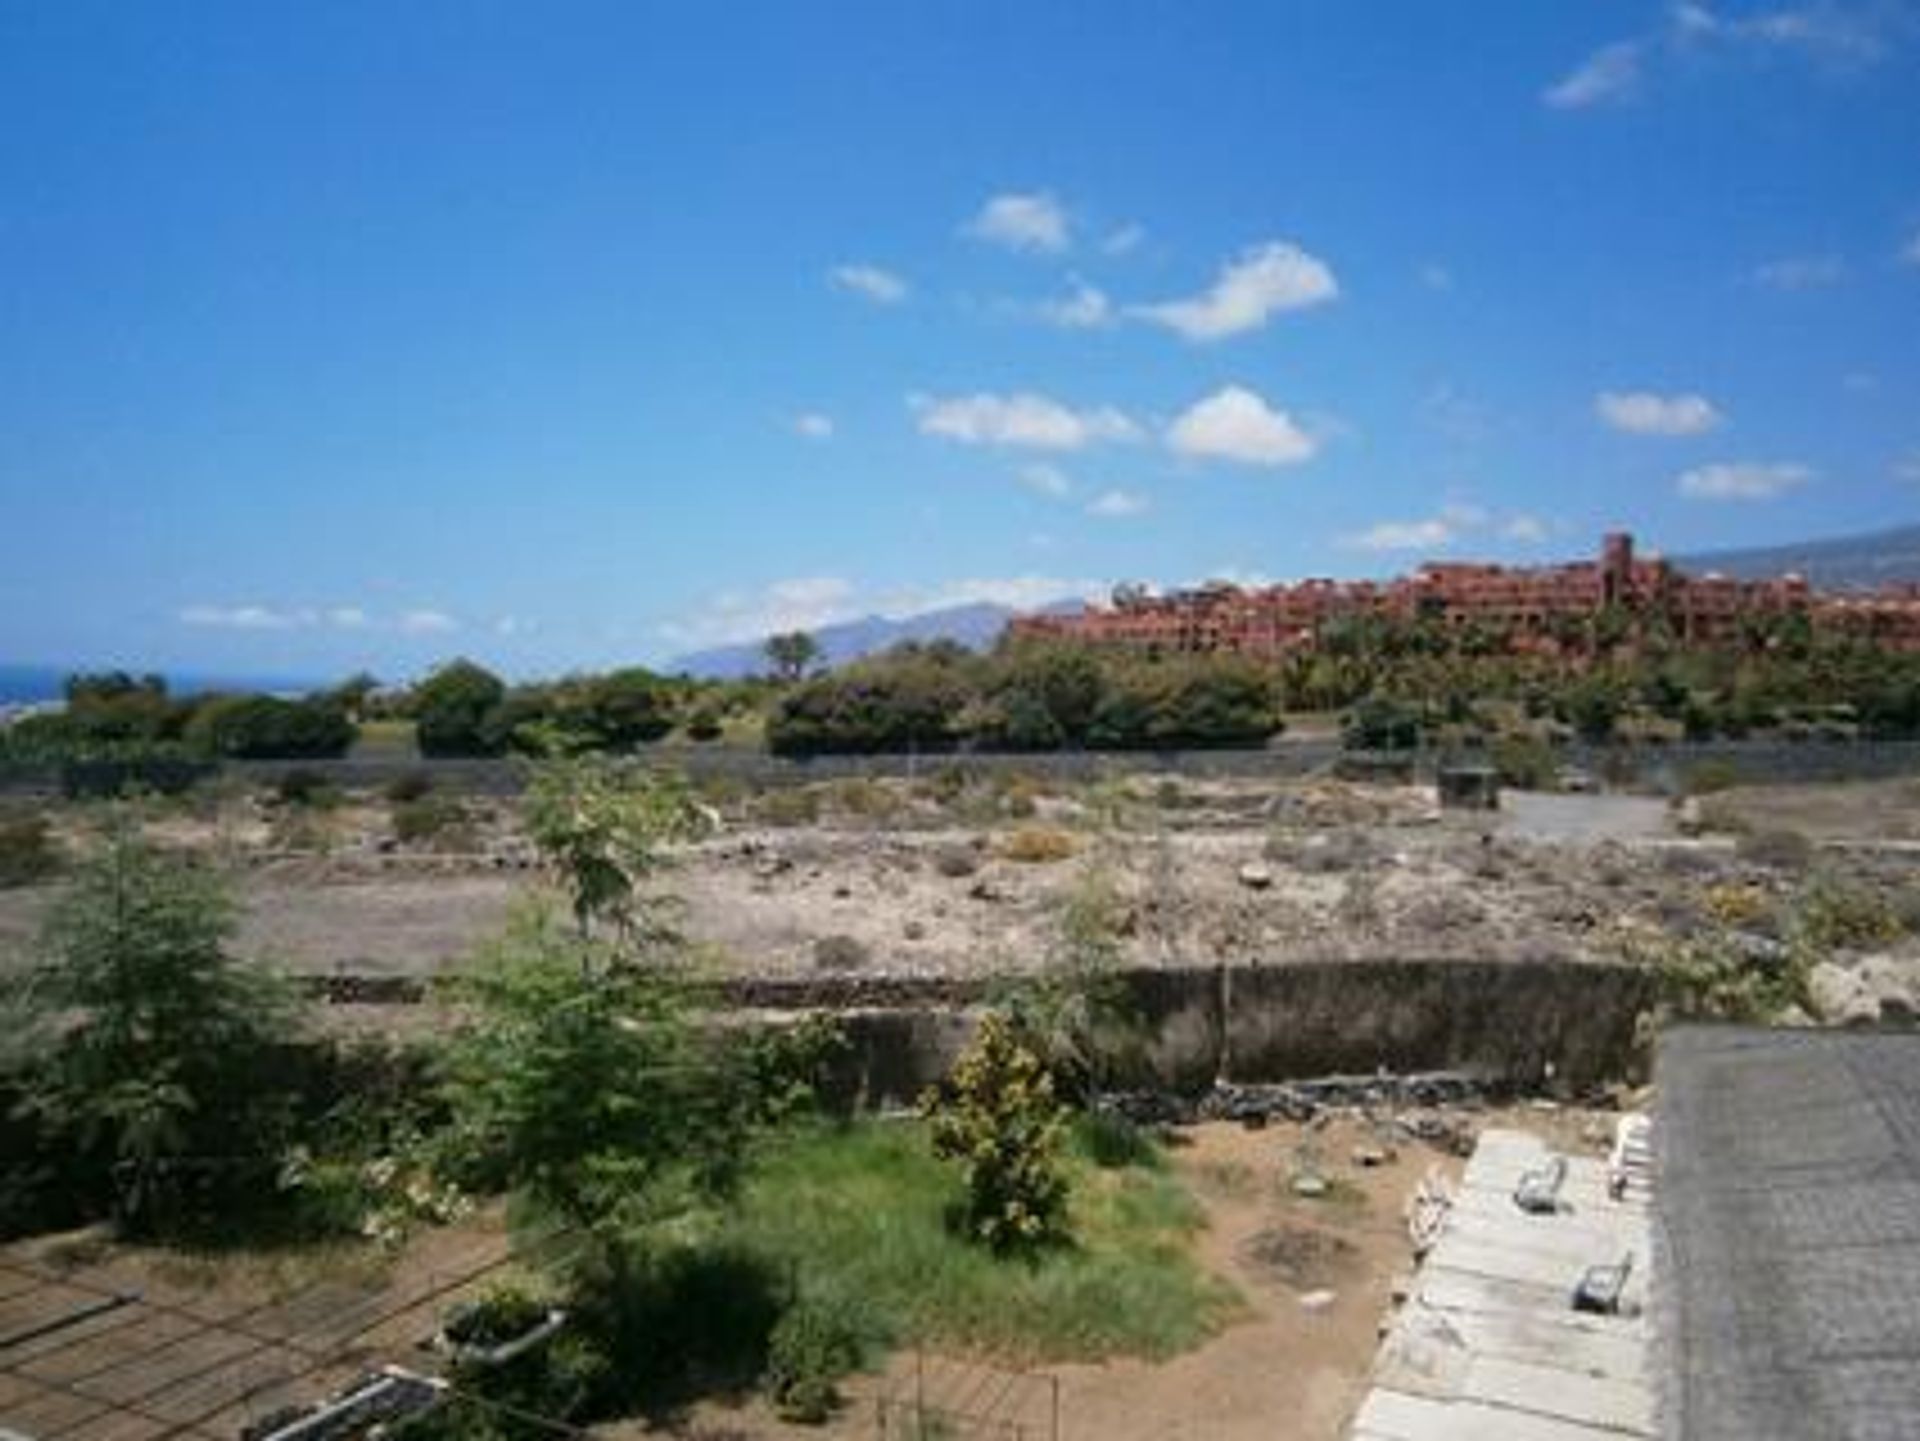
(1541, 608)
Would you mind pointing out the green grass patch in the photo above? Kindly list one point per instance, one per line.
(858, 1216)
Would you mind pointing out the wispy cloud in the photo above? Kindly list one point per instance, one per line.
(1047, 480)
(1023, 419)
(869, 282)
(1454, 523)
(1642, 412)
(247, 617)
(813, 425)
(1742, 480)
(1611, 73)
(1435, 276)
(1236, 424)
(1910, 252)
(1117, 504)
(1800, 272)
(1262, 281)
(1083, 307)
(1833, 35)
(338, 617)
(1124, 239)
(1433, 533)
(1031, 221)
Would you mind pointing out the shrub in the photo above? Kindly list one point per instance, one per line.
(997, 1115)
(28, 852)
(1835, 914)
(812, 1346)
(789, 806)
(956, 860)
(1525, 763)
(305, 788)
(1037, 845)
(840, 953)
(408, 786)
(1380, 724)
(264, 727)
(431, 818)
(1710, 777)
(1781, 850)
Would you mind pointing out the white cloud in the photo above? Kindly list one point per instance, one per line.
(1261, 281)
(869, 282)
(1800, 272)
(1236, 424)
(1048, 480)
(1611, 73)
(1433, 533)
(1022, 419)
(1910, 252)
(1124, 239)
(1455, 522)
(427, 622)
(1034, 221)
(813, 425)
(337, 617)
(1117, 504)
(1084, 307)
(1742, 480)
(1835, 33)
(244, 617)
(1907, 468)
(1436, 276)
(1642, 412)
(512, 625)
(1526, 529)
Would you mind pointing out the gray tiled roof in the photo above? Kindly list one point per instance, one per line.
(1789, 1225)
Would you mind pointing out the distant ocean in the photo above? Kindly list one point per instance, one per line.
(32, 684)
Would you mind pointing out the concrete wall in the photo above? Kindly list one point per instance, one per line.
(1254, 1023)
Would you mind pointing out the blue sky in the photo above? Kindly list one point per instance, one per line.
(576, 334)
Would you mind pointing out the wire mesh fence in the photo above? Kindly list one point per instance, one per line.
(942, 1399)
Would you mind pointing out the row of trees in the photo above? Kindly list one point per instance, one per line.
(1035, 696)
(113, 713)
(1029, 698)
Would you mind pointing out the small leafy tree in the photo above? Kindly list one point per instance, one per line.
(158, 1076)
(1075, 1012)
(997, 1115)
(791, 653)
(601, 825)
(578, 1080)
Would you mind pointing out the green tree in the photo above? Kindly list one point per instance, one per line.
(601, 825)
(452, 710)
(264, 727)
(160, 1075)
(997, 1115)
(791, 654)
